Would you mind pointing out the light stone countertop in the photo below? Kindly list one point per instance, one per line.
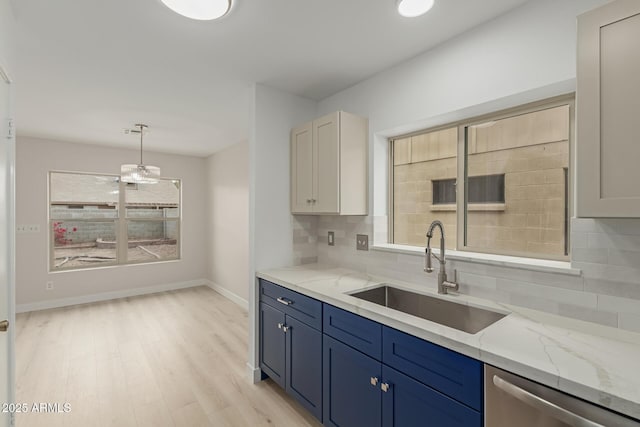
(596, 363)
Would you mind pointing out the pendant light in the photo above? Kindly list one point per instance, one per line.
(413, 8)
(141, 173)
(201, 10)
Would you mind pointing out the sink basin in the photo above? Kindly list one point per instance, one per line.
(458, 316)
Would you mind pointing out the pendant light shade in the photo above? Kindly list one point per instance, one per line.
(201, 10)
(140, 173)
(413, 8)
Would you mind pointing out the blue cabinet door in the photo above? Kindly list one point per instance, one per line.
(304, 365)
(409, 403)
(272, 343)
(352, 396)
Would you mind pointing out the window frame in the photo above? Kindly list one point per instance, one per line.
(120, 222)
(461, 173)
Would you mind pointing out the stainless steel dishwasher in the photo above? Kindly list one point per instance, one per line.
(512, 401)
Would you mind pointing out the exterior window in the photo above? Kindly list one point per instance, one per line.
(509, 194)
(486, 189)
(482, 189)
(444, 191)
(95, 220)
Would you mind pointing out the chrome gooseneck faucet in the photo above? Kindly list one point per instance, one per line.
(443, 284)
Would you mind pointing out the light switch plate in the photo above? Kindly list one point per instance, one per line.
(362, 242)
(331, 238)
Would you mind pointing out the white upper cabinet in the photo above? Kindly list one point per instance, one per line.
(301, 168)
(329, 166)
(608, 111)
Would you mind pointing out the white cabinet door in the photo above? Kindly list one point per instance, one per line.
(608, 109)
(326, 188)
(302, 169)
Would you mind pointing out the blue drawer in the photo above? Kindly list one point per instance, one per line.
(298, 306)
(451, 373)
(356, 331)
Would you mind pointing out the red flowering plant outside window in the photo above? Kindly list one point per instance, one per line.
(60, 234)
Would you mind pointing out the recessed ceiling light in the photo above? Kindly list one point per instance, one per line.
(413, 8)
(202, 10)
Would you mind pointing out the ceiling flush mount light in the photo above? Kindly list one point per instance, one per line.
(413, 8)
(141, 173)
(202, 10)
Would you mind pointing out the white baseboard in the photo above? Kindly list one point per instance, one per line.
(105, 296)
(228, 294)
(255, 374)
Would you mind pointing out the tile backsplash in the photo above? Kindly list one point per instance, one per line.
(305, 238)
(606, 250)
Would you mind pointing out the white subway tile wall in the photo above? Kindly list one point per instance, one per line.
(606, 250)
(305, 238)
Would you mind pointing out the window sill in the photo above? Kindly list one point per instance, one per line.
(533, 264)
(480, 207)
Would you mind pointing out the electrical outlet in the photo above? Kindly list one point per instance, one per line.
(331, 239)
(49, 286)
(362, 242)
(28, 228)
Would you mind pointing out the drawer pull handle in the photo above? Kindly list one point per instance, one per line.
(374, 381)
(385, 387)
(284, 301)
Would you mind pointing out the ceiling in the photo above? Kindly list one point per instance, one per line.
(88, 69)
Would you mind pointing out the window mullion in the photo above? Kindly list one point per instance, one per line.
(121, 235)
(460, 188)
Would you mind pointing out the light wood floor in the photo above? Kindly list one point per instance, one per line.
(171, 359)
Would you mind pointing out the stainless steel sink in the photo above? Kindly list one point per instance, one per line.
(458, 316)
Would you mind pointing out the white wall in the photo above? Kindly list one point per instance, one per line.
(34, 159)
(228, 215)
(527, 48)
(273, 114)
(7, 25)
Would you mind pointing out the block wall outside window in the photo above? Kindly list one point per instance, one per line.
(417, 162)
(93, 217)
(515, 181)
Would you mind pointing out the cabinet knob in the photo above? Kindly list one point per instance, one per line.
(385, 387)
(286, 328)
(280, 325)
(308, 200)
(313, 200)
(374, 381)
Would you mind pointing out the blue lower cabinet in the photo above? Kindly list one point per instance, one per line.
(303, 364)
(409, 403)
(352, 396)
(291, 355)
(344, 383)
(272, 343)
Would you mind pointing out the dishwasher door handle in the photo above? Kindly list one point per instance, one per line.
(543, 405)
